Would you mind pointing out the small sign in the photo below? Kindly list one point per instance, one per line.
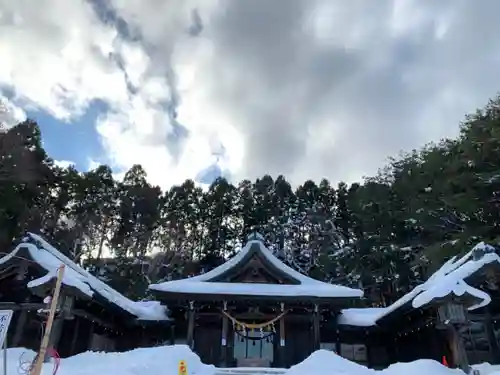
(5, 318)
(182, 368)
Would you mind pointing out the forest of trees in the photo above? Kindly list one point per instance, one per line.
(382, 234)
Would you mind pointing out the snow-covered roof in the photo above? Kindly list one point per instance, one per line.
(304, 286)
(447, 280)
(50, 259)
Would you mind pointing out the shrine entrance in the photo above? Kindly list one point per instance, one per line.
(234, 315)
(253, 349)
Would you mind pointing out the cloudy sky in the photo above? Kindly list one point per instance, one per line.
(304, 88)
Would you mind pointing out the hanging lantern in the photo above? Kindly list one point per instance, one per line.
(491, 278)
(452, 313)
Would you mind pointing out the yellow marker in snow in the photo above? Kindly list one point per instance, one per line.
(182, 368)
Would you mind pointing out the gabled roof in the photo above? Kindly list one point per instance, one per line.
(36, 249)
(300, 285)
(448, 281)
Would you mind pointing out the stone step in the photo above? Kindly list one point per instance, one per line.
(250, 371)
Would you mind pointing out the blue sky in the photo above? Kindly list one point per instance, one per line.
(202, 88)
(77, 141)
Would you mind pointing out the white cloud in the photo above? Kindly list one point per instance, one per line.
(63, 163)
(311, 89)
(56, 57)
(10, 114)
(92, 164)
(52, 56)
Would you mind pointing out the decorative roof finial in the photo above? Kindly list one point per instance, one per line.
(255, 236)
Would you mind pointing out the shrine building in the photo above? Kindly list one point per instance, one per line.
(254, 310)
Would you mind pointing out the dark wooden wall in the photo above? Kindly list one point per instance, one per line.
(207, 342)
(299, 343)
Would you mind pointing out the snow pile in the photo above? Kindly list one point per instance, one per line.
(326, 362)
(487, 368)
(162, 360)
(75, 276)
(306, 286)
(447, 280)
(422, 366)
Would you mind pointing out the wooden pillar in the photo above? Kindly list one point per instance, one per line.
(172, 334)
(21, 323)
(225, 323)
(458, 351)
(74, 339)
(55, 336)
(433, 338)
(190, 328)
(316, 332)
(282, 343)
(23, 317)
(490, 331)
(337, 334)
(90, 336)
(19, 330)
(57, 326)
(368, 344)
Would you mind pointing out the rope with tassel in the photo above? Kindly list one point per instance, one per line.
(254, 325)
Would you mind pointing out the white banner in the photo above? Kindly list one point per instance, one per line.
(5, 318)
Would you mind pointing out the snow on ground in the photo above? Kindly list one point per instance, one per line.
(326, 362)
(164, 360)
(487, 369)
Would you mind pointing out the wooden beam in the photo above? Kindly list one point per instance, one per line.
(86, 315)
(29, 306)
(9, 272)
(290, 316)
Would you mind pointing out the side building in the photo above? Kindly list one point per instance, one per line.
(91, 315)
(455, 314)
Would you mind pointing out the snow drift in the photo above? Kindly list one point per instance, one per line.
(326, 362)
(163, 360)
